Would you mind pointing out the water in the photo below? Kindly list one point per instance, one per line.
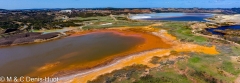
(64, 53)
(173, 16)
(234, 27)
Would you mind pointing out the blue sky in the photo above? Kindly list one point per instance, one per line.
(28, 4)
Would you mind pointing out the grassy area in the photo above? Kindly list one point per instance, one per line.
(201, 68)
(209, 68)
(127, 73)
(96, 22)
(135, 74)
(117, 24)
(194, 59)
(170, 78)
(182, 32)
(97, 19)
(169, 75)
(235, 50)
(231, 67)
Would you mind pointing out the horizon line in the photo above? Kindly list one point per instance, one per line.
(120, 8)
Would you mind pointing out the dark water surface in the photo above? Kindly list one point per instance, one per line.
(234, 27)
(23, 59)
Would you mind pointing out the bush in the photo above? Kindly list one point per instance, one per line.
(194, 60)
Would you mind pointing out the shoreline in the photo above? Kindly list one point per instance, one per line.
(35, 41)
(219, 20)
(137, 58)
(150, 41)
(105, 63)
(114, 60)
(108, 64)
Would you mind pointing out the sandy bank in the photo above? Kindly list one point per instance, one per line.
(141, 58)
(225, 19)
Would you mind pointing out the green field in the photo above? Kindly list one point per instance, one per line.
(96, 22)
(183, 32)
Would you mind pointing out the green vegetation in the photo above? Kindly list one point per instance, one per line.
(37, 21)
(198, 67)
(208, 68)
(164, 77)
(97, 23)
(230, 67)
(116, 24)
(136, 74)
(167, 74)
(50, 20)
(155, 60)
(182, 32)
(194, 60)
(128, 73)
(97, 19)
(235, 50)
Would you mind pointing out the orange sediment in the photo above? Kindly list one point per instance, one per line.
(144, 57)
(196, 48)
(150, 42)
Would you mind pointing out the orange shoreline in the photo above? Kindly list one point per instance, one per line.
(150, 42)
(142, 57)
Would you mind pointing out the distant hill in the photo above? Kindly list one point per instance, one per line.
(2, 9)
(237, 10)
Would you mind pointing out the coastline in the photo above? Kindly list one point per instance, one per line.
(59, 36)
(219, 20)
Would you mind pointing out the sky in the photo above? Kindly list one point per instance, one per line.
(29, 4)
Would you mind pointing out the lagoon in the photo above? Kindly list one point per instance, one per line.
(76, 53)
(173, 16)
(61, 54)
(234, 27)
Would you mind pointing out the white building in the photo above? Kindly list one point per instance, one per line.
(65, 11)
